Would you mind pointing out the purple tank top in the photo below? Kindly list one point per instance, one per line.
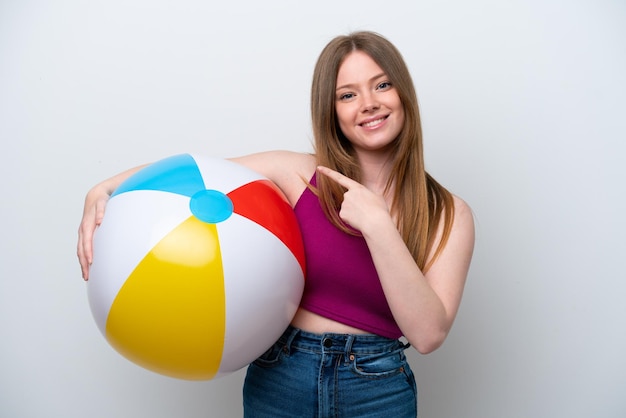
(341, 281)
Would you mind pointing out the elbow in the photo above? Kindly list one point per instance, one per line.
(427, 345)
(427, 348)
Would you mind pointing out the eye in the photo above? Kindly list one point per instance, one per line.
(346, 96)
(384, 85)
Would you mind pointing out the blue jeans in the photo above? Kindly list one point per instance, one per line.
(305, 375)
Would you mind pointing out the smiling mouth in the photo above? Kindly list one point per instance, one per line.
(374, 122)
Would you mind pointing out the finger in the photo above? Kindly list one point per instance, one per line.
(84, 250)
(336, 176)
(82, 260)
(85, 242)
(86, 232)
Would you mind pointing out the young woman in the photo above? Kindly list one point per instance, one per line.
(388, 248)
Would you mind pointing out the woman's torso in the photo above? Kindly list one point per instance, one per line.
(291, 172)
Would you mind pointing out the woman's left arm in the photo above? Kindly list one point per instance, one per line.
(423, 305)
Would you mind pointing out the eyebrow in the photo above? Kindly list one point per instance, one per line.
(371, 79)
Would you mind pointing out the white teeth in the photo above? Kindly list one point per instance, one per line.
(373, 123)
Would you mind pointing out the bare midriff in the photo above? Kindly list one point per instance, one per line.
(317, 324)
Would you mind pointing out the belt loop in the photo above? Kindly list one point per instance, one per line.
(293, 332)
(348, 346)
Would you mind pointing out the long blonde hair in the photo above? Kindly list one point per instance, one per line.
(419, 202)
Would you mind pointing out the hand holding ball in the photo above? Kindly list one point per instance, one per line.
(198, 267)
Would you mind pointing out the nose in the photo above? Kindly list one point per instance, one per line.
(369, 102)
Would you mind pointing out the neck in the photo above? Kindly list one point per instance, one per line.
(375, 171)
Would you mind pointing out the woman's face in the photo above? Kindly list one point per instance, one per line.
(368, 107)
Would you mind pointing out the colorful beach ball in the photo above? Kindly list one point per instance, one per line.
(198, 267)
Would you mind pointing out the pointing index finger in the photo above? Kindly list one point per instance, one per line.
(337, 177)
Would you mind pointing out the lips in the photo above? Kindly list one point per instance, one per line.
(373, 122)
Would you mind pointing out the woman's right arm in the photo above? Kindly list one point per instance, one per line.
(93, 212)
(288, 170)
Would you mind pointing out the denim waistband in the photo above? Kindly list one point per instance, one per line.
(339, 343)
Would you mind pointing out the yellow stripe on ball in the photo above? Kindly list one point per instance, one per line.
(169, 316)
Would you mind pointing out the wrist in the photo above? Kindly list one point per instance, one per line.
(377, 225)
(101, 190)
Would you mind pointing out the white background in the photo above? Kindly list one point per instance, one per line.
(524, 114)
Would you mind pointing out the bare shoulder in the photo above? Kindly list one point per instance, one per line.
(462, 212)
(463, 225)
(459, 247)
(289, 170)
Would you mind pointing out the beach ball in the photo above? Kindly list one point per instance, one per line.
(198, 267)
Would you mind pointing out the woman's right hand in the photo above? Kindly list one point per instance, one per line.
(93, 212)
